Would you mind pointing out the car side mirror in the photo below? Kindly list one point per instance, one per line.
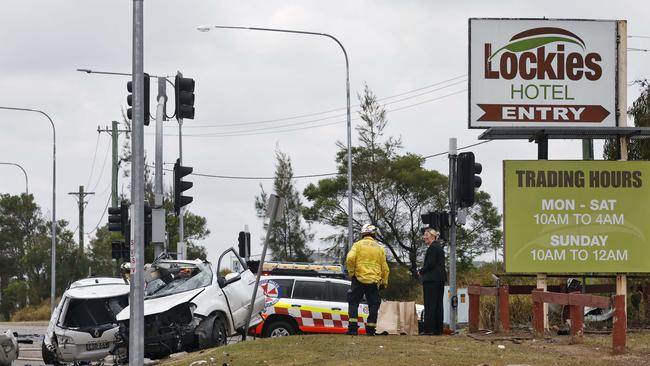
(230, 278)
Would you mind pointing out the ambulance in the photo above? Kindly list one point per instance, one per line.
(306, 298)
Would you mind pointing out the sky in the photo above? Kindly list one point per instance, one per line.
(255, 92)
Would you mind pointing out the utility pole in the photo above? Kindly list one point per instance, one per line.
(81, 195)
(453, 299)
(114, 132)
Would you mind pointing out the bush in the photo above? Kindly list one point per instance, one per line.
(33, 313)
(401, 286)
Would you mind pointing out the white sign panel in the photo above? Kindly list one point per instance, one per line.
(542, 73)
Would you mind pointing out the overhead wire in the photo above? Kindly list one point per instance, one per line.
(101, 174)
(338, 109)
(102, 217)
(92, 167)
(269, 130)
(306, 175)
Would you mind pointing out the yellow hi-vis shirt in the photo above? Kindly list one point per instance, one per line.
(367, 262)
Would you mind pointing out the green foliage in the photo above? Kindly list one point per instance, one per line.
(638, 149)
(288, 241)
(195, 229)
(26, 253)
(402, 286)
(392, 190)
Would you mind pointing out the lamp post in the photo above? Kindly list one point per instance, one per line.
(24, 172)
(206, 28)
(53, 285)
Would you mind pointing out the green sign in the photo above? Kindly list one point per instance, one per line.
(577, 216)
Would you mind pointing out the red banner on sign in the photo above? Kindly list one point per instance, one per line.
(542, 113)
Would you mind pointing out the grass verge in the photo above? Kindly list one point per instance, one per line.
(412, 350)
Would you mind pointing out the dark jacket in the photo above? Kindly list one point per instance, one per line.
(433, 268)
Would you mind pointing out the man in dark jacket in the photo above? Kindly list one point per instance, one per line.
(433, 277)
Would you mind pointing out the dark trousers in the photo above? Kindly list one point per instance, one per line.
(433, 310)
(355, 294)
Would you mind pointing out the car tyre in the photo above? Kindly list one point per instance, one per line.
(279, 328)
(219, 334)
(49, 357)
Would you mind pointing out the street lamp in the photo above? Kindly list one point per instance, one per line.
(53, 285)
(206, 28)
(24, 172)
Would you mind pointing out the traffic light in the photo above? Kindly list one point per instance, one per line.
(119, 250)
(147, 223)
(248, 245)
(438, 220)
(115, 219)
(241, 239)
(118, 219)
(129, 99)
(467, 178)
(181, 186)
(184, 93)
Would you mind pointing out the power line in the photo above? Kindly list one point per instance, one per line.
(338, 109)
(307, 175)
(101, 174)
(269, 130)
(101, 218)
(245, 178)
(92, 167)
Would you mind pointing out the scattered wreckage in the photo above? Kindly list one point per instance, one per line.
(8, 348)
(83, 326)
(188, 306)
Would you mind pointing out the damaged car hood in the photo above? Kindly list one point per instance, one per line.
(155, 305)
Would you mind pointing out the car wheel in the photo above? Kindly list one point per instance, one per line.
(219, 335)
(279, 328)
(49, 357)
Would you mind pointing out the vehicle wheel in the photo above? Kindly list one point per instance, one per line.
(279, 328)
(219, 334)
(49, 357)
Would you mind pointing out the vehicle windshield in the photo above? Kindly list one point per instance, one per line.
(169, 278)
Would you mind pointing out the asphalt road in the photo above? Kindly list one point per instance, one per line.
(30, 354)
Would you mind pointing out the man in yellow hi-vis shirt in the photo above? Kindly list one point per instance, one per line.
(368, 270)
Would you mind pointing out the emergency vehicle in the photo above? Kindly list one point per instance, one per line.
(306, 298)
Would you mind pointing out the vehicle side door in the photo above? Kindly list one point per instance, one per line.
(238, 288)
(310, 306)
(338, 295)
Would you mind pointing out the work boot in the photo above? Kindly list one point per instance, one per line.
(370, 332)
(352, 332)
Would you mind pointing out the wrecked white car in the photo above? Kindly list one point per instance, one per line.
(83, 326)
(188, 306)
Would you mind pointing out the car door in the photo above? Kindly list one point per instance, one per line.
(310, 305)
(238, 288)
(338, 295)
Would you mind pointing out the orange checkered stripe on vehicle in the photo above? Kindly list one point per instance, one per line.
(309, 317)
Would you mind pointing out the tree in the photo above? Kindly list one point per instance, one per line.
(26, 252)
(391, 190)
(101, 260)
(638, 149)
(288, 241)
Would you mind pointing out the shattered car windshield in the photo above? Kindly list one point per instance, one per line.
(173, 278)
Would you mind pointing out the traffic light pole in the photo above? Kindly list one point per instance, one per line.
(180, 247)
(158, 212)
(453, 300)
(136, 301)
